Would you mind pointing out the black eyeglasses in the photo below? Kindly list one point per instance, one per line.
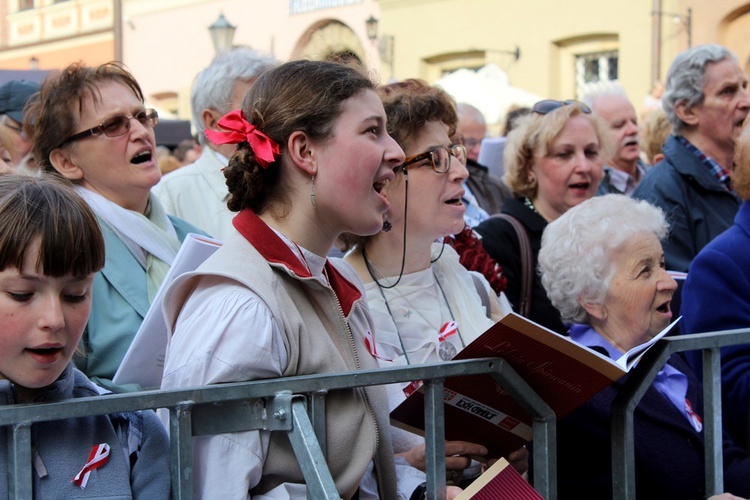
(117, 125)
(549, 105)
(440, 158)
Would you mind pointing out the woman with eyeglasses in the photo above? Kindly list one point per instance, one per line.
(426, 306)
(552, 163)
(93, 129)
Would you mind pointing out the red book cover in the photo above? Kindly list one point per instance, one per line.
(563, 373)
(500, 482)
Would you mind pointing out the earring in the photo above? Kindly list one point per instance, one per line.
(532, 178)
(312, 190)
(387, 226)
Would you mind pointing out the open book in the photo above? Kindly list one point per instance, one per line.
(563, 373)
(143, 364)
(500, 482)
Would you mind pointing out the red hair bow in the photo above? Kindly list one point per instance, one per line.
(237, 130)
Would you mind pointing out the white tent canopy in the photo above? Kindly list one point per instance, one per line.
(488, 90)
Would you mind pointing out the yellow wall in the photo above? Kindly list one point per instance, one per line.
(549, 34)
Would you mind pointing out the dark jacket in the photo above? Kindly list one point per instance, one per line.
(715, 297)
(489, 190)
(697, 205)
(501, 242)
(669, 461)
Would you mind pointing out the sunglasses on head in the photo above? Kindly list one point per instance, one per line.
(117, 125)
(549, 105)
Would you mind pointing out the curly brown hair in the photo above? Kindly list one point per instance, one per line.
(412, 103)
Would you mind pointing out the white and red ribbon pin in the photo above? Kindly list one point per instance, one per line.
(448, 329)
(370, 344)
(695, 419)
(99, 456)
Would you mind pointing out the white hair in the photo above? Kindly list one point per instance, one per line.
(471, 113)
(213, 86)
(575, 260)
(686, 79)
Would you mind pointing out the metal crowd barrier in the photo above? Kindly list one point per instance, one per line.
(296, 405)
(623, 437)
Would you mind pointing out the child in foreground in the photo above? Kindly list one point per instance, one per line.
(50, 248)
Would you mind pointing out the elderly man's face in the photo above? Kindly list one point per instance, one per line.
(725, 105)
(619, 117)
(471, 134)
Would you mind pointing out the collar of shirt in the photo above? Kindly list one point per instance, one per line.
(623, 181)
(670, 382)
(474, 214)
(717, 170)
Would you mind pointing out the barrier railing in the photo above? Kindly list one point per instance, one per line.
(623, 437)
(296, 405)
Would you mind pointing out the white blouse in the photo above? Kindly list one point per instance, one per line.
(409, 316)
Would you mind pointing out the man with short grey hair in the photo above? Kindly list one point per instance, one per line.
(198, 192)
(706, 101)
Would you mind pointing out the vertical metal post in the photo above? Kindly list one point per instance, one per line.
(712, 426)
(20, 484)
(434, 411)
(181, 451)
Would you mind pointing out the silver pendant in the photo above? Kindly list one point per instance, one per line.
(447, 350)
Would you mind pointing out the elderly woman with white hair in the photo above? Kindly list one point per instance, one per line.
(602, 266)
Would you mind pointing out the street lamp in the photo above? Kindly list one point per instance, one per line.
(385, 45)
(222, 33)
(685, 19)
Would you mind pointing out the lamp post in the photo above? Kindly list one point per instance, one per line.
(385, 44)
(222, 33)
(685, 19)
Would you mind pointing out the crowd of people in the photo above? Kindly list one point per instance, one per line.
(367, 226)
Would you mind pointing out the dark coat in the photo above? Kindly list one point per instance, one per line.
(697, 205)
(501, 242)
(669, 457)
(716, 297)
(489, 190)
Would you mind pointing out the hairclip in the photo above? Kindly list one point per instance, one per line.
(237, 130)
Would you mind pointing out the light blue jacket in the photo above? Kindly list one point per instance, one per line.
(120, 301)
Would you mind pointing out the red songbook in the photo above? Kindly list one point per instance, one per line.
(500, 482)
(563, 373)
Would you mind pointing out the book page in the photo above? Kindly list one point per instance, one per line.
(630, 358)
(479, 410)
(143, 364)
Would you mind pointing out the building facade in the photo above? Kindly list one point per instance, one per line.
(548, 47)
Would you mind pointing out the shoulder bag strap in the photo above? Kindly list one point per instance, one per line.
(527, 275)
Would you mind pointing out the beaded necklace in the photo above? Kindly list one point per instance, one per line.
(530, 204)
